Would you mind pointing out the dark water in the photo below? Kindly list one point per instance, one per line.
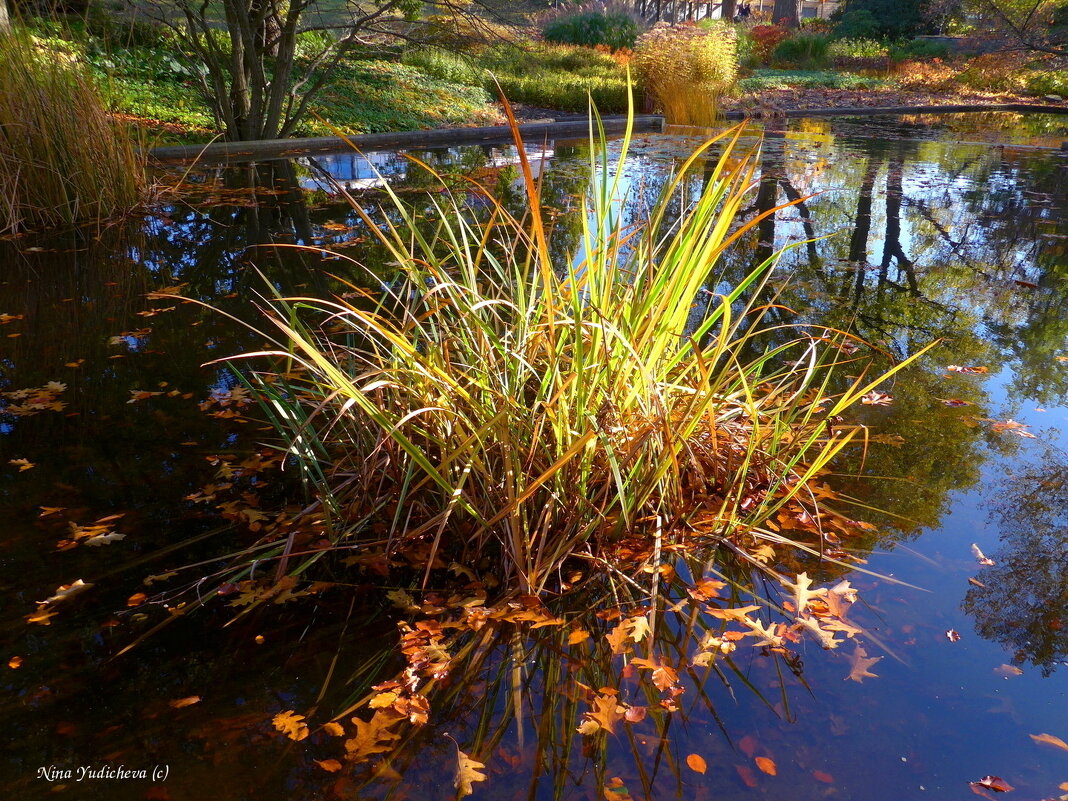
(952, 228)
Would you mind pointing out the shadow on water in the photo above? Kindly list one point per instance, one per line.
(907, 232)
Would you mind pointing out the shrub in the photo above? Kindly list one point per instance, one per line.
(860, 24)
(993, 72)
(804, 50)
(765, 39)
(610, 29)
(686, 68)
(894, 19)
(859, 53)
(62, 159)
(920, 50)
(1054, 82)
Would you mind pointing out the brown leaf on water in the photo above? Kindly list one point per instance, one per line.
(21, 464)
(468, 771)
(334, 729)
(291, 725)
(995, 783)
(696, 763)
(178, 703)
(605, 712)
(859, 662)
(1007, 671)
(329, 765)
(1049, 739)
(15, 662)
(136, 599)
(577, 635)
(616, 790)
(982, 558)
(620, 636)
(767, 765)
(874, 398)
(956, 368)
(820, 776)
(635, 714)
(952, 635)
(955, 402)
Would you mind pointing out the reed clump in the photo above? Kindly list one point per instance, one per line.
(504, 409)
(63, 160)
(686, 68)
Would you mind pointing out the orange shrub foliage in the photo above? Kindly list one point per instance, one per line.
(766, 38)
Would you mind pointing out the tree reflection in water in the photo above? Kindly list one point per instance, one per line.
(1023, 600)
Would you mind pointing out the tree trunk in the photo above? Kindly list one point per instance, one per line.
(785, 13)
(5, 19)
(728, 9)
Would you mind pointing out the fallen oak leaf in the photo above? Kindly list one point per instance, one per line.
(468, 771)
(291, 725)
(859, 662)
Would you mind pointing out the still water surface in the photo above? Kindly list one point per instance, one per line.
(950, 228)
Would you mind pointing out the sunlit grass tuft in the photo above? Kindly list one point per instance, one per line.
(505, 410)
(62, 159)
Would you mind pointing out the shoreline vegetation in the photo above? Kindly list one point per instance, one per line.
(148, 84)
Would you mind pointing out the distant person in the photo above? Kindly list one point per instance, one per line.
(744, 10)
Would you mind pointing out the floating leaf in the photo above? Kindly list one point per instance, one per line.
(178, 703)
(1049, 739)
(980, 557)
(334, 729)
(767, 765)
(874, 398)
(696, 763)
(329, 765)
(635, 714)
(995, 783)
(859, 662)
(820, 776)
(136, 599)
(21, 464)
(291, 725)
(956, 368)
(468, 771)
(15, 662)
(952, 635)
(955, 402)
(1007, 671)
(616, 790)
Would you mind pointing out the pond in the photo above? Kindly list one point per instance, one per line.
(908, 231)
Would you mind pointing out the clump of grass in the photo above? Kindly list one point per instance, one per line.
(686, 68)
(563, 77)
(62, 159)
(501, 408)
(804, 50)
(615, 30)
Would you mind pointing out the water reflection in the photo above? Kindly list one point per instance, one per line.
(1022, 602)
(905, 234)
